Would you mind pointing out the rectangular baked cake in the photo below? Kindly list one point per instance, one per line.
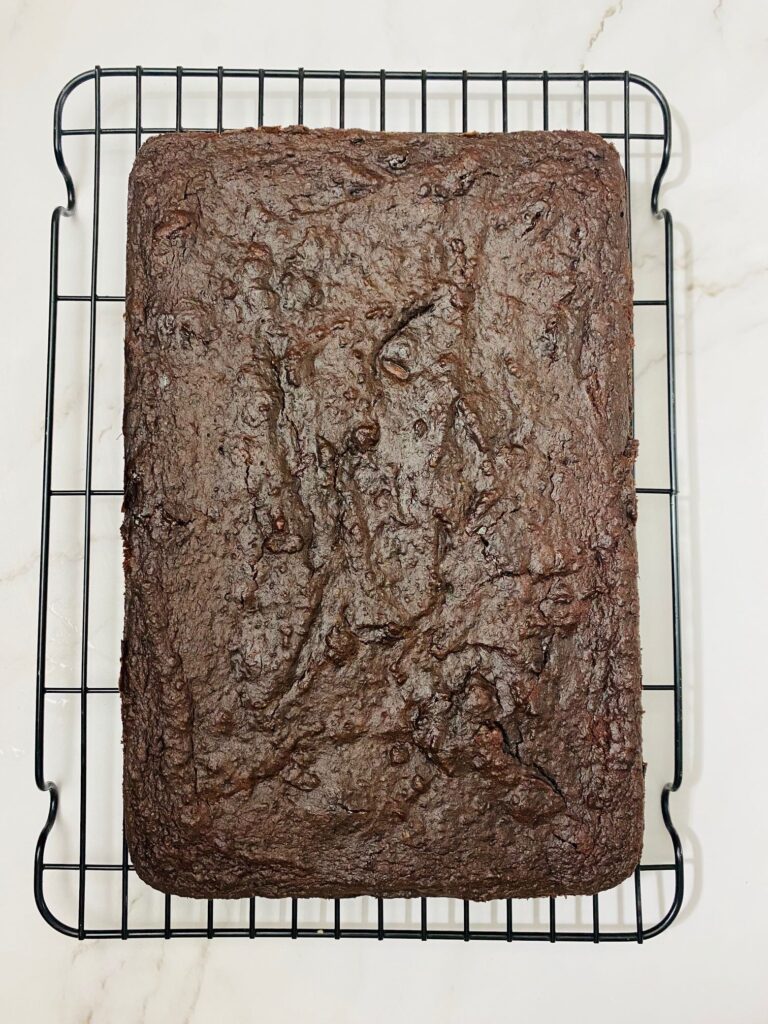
(381, 629)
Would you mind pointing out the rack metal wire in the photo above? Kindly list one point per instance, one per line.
(422, 925)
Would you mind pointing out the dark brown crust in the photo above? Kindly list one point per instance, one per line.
(381, 629)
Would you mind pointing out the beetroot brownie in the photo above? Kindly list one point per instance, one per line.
(381, 629)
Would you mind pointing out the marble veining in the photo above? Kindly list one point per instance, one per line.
(610, 12)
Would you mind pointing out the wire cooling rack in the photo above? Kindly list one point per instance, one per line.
(84, 882)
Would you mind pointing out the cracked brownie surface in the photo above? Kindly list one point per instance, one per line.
(381, 631)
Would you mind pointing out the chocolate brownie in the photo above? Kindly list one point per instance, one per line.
(381, 630)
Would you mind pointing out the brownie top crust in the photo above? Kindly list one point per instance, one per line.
(381, 630)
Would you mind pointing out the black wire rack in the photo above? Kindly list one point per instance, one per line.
(509, 920)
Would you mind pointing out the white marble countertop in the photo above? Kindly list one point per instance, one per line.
(710, 60)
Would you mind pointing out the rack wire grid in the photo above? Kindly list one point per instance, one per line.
(84, 883)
